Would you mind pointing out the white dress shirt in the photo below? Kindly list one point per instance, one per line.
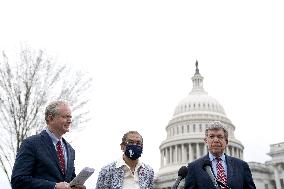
(131, 179)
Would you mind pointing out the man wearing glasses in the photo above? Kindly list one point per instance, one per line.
(216, 169)
(128, 172)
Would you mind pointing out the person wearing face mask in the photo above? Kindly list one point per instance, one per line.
(128, 172)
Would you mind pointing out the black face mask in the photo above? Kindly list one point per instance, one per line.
(133, 151)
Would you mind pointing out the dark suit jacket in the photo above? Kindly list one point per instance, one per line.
(37, 165)
(238, 175)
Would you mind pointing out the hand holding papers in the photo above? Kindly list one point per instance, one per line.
(81, 178)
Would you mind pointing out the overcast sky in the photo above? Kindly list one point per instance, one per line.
(142, 56)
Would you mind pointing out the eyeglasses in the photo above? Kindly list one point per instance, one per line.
(138, 143)
(218, 137)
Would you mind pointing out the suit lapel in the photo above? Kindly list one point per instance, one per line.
(69, 158)
(230, 169)
(51, 149)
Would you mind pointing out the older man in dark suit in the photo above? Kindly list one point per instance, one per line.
(46, 160)
(224, 171)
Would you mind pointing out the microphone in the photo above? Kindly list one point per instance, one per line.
(217, 183)
(207, 167)
(182, 172)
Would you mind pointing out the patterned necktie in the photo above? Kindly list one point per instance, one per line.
(60, 156)
(221, 176)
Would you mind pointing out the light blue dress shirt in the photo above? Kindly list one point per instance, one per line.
(54, 141)
(214, 163)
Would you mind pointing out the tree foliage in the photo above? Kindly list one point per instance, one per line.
(27, 85)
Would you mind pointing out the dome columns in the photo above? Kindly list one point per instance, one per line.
(183, 153)
(185, 132)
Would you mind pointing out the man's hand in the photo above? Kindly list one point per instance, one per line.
(62, 185)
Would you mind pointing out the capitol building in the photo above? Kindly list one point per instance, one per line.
(185, 140)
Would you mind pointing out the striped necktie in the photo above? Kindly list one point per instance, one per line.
(221, 176)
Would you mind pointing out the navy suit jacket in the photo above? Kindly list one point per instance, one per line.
(238, 175)
(37, 165)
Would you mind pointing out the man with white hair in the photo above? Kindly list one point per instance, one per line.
(217, 169)
(46, 160)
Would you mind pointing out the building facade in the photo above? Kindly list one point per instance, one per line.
(270, 175)
(185, 140)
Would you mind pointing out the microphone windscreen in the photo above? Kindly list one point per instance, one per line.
(206, 163)
(182, 172)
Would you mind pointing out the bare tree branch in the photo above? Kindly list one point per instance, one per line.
(26, 86)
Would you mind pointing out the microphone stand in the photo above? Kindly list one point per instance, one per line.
(175, 186)
(208, 168)
(182, 172)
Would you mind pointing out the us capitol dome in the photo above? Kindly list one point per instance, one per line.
(185, 132)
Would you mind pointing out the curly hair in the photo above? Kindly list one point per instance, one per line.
(216, 125)
(125, 136)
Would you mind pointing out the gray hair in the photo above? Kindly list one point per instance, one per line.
(125, 136)
(216, 125)
(53, 109)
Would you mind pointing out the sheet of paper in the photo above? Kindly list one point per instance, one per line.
(81, 178)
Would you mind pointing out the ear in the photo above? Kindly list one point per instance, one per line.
(122, 147)
(205, 140)
(49, 118)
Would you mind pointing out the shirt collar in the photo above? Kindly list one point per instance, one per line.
(120, 162)
(212, 157)
(53, 137)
